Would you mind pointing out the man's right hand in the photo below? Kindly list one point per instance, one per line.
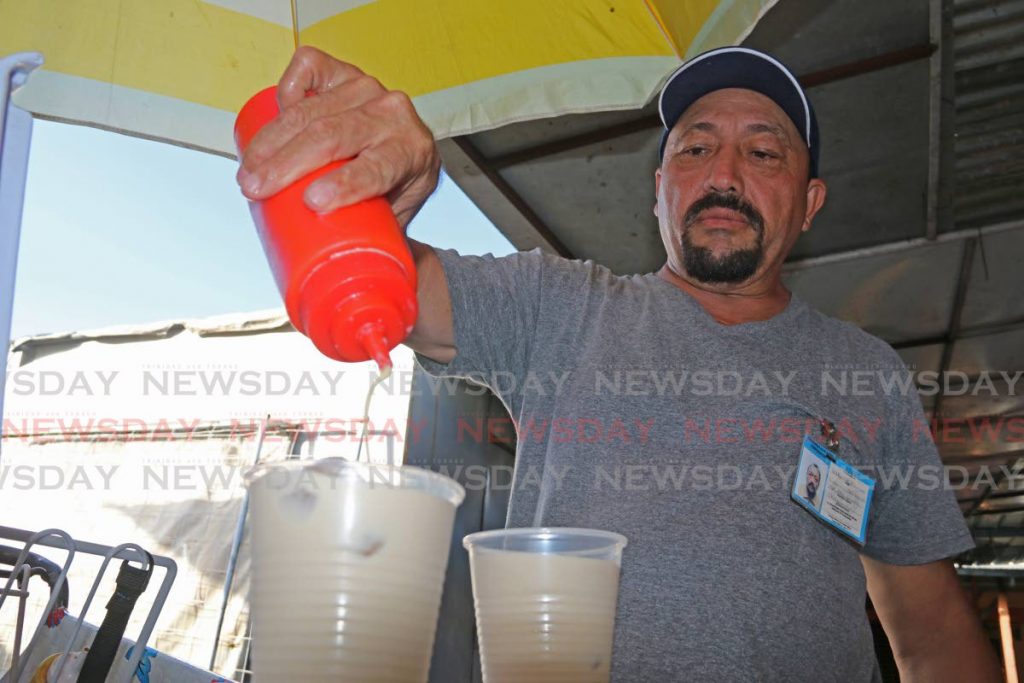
(331, 111)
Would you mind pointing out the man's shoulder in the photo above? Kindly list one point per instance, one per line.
(562, 264)
(859, 343)
(536, 257)
(552, 268)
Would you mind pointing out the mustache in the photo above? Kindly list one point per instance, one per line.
(725, 200)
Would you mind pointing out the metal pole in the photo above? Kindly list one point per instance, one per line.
(236, 545)
(15, 134)
(1006, 638)
(901, 246)
(26, 576)
(941, 113)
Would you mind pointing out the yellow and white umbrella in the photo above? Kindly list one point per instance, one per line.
(178, 70)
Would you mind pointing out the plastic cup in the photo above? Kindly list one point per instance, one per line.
(545, 603)
(348, 569)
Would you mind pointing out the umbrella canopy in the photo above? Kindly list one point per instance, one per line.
(178, 70)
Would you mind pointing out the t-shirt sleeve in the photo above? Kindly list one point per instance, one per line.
(494, 313)
(916, 517)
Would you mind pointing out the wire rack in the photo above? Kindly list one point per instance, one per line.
(22, 570)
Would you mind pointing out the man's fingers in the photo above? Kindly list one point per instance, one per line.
(310, 116)
(295, 118)
(312, 70)
(369, 175)
(324, 140)
(348, 115)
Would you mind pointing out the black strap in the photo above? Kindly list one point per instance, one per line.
(131, 583)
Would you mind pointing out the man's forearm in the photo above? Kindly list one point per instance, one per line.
(959, 654)
(933, 627)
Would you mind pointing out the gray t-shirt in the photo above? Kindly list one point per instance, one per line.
(638, 413)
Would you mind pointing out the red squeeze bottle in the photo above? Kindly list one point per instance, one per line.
(347, 277)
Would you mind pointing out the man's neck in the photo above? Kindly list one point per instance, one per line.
(734, 307)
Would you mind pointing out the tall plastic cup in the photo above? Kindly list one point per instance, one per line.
(348, 568)
(545, 603)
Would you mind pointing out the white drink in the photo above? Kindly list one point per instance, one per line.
(348, 572)
(544, 617)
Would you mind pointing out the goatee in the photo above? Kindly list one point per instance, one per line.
(734, 267)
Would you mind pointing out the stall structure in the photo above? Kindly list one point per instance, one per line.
(919, 104)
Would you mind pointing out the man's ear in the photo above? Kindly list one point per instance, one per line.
(816, 192)
(657, 189)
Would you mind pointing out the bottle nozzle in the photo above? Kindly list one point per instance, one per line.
(373, 340)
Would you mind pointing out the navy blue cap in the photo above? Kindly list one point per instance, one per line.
(739, 67)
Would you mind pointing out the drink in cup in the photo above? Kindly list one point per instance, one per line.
(348, 568)
(545, 603)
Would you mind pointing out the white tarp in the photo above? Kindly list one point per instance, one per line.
(142, 434)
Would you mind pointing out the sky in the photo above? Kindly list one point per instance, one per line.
(118, 230)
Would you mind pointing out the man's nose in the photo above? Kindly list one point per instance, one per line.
(723, 173)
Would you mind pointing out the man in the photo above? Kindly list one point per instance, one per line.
(812, 479)
(638, 432)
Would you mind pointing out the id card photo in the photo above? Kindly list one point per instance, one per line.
(810, 479)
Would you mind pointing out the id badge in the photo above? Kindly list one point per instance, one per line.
(833, 490)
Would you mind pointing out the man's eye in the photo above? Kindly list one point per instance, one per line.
(764, 154)
(695, 151)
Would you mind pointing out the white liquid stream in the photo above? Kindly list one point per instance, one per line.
(364, 438)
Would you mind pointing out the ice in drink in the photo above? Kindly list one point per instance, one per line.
(348, 568)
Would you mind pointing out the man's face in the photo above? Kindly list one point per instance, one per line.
(813, 479)
(733, 190)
